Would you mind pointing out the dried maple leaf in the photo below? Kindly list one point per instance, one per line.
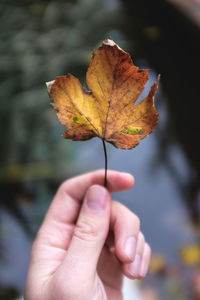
(107, 111)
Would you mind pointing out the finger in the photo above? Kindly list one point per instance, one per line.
(134, 267)
(66, 204)
(116, 182)
(65, 207)
(140, 244)
(145, 261)
(138, 268)
(89, 234)
(126, 226)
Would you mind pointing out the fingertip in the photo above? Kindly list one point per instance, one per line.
(132, 270)
(97, 198)
(119, 181)
(126, 250)
(144, 269)
(128, 178)
(145, 261)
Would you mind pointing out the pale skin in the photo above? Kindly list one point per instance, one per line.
(87, 243)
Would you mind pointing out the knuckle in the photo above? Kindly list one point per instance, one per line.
(119, 209)
(63, 185)
(86, 230)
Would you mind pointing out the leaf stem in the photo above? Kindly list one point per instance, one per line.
(106, 162)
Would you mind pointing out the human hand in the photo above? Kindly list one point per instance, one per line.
(87, 242)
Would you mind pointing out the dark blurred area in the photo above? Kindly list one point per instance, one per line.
(171, 45)
(40, 40)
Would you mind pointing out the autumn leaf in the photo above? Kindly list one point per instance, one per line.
(107, 110)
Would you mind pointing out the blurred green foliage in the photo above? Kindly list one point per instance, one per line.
(39, 41)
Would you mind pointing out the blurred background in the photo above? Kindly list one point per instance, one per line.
(40, 40)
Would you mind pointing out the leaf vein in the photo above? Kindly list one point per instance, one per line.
(66, 93)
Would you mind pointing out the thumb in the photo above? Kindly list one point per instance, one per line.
(90, 232)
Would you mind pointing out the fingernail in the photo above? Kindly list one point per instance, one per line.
(130, 247)
(134, 267)
(143, 269)
(96, 198)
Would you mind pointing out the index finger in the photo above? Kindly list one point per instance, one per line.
(116, 181)
(67, 201)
